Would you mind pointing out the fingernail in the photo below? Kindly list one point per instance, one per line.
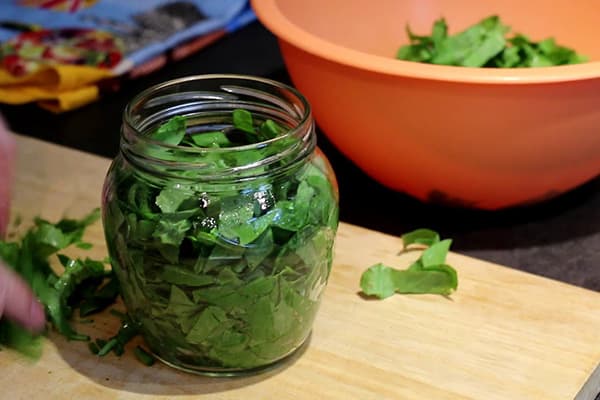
(37, 316)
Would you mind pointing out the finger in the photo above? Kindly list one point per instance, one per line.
(7, 154)
(18, 303)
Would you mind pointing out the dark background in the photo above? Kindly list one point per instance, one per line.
(559, 238)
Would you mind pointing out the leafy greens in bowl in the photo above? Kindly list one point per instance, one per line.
(485, 44)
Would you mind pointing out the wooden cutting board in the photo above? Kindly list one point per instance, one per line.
(504, 334)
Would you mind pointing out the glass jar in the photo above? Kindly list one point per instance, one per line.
(222, 253)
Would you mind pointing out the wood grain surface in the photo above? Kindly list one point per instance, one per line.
(504, 334)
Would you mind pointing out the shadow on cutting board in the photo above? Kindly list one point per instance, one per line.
(111, 373)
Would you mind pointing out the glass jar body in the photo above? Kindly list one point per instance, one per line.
(223, 275)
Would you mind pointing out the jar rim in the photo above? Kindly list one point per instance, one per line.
(305, 118)
(221, 93)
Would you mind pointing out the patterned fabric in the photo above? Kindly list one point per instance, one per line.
(59, 5)
(140, 29)
(30, 51)
(63, 54)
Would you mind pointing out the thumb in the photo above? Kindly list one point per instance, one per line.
(17, 301)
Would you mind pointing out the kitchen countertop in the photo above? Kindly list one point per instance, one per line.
(498, 337)
(559, 239)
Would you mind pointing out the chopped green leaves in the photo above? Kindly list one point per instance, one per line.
(379, 281)
(435, 254)
(242, 120)
(269, 130)
(421, 236)
(172, 132)
(117, 343)
(172, 232)
(20, 339)
(227, 275)
(96, 299)
(382, 281)
(171, 198)
(182, 276)
(484, 44)
(211, 139)
(84, 284)
(429, 274)
(143, 356)
(59, 294)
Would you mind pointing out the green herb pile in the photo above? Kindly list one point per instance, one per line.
(485, 44)
(429, 274)
(227, 278)
(83, 284)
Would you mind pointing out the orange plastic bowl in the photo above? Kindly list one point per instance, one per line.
(485, 138)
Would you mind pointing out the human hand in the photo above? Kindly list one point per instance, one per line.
(17, 301)
(7, 156)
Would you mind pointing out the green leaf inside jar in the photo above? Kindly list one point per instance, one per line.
(225, 279)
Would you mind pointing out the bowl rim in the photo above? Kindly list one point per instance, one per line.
(268, 13)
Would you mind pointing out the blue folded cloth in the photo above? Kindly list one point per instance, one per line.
(147, 28)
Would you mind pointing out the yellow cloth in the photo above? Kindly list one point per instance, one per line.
(56, 87)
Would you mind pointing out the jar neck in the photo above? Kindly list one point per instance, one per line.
(209, 101)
